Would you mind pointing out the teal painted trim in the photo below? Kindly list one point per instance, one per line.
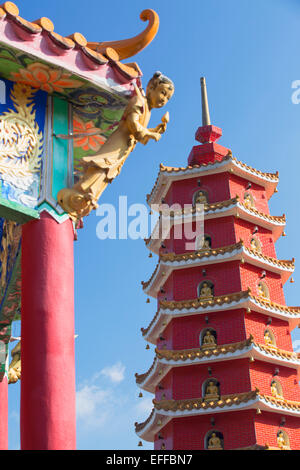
(60, 146)
(13, 211)
(60, 218)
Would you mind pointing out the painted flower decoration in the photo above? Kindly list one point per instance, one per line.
(92, 142)
(47, 79)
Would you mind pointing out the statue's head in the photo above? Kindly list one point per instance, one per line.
(159, 90)
(205, 284)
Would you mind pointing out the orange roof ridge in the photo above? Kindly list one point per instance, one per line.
(129, 47)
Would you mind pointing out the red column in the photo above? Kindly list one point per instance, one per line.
(48, 362)
(4, 414)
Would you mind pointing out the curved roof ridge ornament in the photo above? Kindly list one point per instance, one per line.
(129, 47)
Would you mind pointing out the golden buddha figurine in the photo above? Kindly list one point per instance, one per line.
(200, 198)
(255, 245)
(262, 291)
(248, 201)
(209, 340)
(214, 442)
(282, 444)
(211, 391)
(268, 339)
(101, 169)
(14, 370)
(274, 390)
(206, 292)
(206, 243)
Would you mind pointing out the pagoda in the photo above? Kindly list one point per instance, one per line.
(225, 375)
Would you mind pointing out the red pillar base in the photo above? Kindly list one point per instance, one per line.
(48, 362)
(4, 414)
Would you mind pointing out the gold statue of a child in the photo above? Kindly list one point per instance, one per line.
(101, 169)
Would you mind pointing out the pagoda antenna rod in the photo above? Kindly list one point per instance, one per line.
(205, 108)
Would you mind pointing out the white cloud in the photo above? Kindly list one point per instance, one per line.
(88, 398)
(296, 345)
(115, 373)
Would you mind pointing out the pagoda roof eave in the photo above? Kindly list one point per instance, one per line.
(244, 349)
(171, 262)
(241, 300)
(166, 410)
(167, 175)
(232, 207)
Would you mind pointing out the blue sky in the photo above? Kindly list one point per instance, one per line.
(248, 50)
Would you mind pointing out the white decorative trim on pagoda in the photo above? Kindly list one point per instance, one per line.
(171, 262)
(165, 314)
(232, 207)
(159, 418)
(161, 366)
(167, 175)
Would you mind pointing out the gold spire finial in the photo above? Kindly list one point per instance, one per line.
(205, 108)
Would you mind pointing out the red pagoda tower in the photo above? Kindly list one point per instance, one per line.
(225, 375)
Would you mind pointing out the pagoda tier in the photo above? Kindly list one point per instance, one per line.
(165, 360)
(244, 300)
(225, 375)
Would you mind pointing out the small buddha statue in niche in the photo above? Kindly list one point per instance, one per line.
(163, 446)
(209, 340)
(201, 198)
(262, 291)
(248, 201)
(214, 442)
(206, 243)
(274, 390)
(282, 444)
(212, 391)
(268, 339)
(206, 292)
(255, 245)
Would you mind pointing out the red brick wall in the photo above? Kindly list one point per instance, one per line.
(251, 276)
(225, 276)
(229, 326)
(220, 230)
(267, 426)
(237, 428)
(261, 374)
(167, 383)
(216, 186)
(238, 186)
(232, 375)
(256, 324)
(167, 434)
(244, 231)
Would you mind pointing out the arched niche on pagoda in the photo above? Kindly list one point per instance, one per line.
(263, 290)
(200, 197)
(214, 440)
(206, 290)
(208, 338)
(283, 440)
(269, 338)
(249, 200)
(276, 389)
(255, 244)
(203, 242)
(211, 389)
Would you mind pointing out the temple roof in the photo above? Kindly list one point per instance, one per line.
(171, 261)
(30, 34)
(230, 207)
(165, 410)
(168, 174)
(169, 309)
(166, 359)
